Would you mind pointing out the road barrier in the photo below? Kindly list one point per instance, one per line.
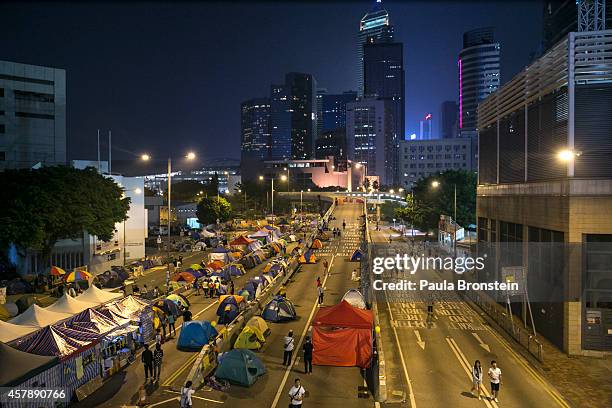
(206, 361)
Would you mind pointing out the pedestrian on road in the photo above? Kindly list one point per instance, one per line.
(288, 348)
(325, 265)
(307, 348)
(147, 360)
(196, 287)
(187, 315)
(343, 224)
(296, 394)
(158, 337)
(476, 378)
(495, 377)
(158, 355)
(145, 292)
(171, 328)
(320, 294)
(156, 292)
(186, 394)
(318, 281)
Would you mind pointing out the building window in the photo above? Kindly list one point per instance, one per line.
(2, 156)
(33, 115)
(430, 157)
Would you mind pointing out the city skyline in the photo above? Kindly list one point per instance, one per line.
(185, 103)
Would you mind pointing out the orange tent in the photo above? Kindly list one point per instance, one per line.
(216, 265)
(241, 240)
(316, 244)
(342, 336)
(183, 276)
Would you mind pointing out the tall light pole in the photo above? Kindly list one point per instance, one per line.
(436, 184)
(283, 178)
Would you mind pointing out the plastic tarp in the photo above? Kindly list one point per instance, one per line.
(38, 317)
(279, 309)
(216, 264)
(10, 332)
(218, 257)
(260, 234)
(354, 298)
(240, 367)
(22, 365)
(241, 240)
(98, 296)
(207, 234)
(254, 246)
(250, 338)
(95, 322)
(68, 304)
(220, 250)
(195, 334)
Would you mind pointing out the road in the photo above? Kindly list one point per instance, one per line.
(437, 356)
(333, 387)
(122, 388)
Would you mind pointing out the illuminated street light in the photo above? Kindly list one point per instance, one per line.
(261, 178)
(283, 178)
(357, 165)
(190, 156)
(392, 191)
(145, 157)
(435, 184)
(401, 190)
(137, 191)
(567, 155)
(309, 190)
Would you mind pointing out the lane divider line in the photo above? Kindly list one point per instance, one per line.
(295, 356)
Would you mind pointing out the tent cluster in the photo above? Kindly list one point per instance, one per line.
(307, 257)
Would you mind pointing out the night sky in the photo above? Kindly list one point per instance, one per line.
(170, 77)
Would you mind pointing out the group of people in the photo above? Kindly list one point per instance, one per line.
(494, 375)
(152, 361)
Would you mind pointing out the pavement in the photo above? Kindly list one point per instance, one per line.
(333, 387)
(433, 358)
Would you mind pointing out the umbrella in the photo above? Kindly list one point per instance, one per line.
(178, 299)
(75, 276)
(195, 267)
(56, 271)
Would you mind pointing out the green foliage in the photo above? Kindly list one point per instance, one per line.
(59, 202)
(388, 210)
(189, 190)
(430, 202)
(210, 209)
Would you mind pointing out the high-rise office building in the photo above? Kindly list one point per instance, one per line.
(334, 110)
(32, 115)
(256, 134)
(332, 143)
(479, 67)
(383, 69)
(370, 138)
(374, 27)
(320, 93)
(294, 117)
(425, 127)
(448, 119)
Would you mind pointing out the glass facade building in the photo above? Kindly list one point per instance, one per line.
(255, 119)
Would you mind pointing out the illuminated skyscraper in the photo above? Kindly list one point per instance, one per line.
(255, 134)
(374, 27)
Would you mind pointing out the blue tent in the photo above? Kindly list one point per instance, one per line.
(230, 300)
(357, 255)
(223, 273)
(279, 309)
(228, 314)
(234, 270)
(240, 367)
(220, 250)
(250, 287)
(195, 334)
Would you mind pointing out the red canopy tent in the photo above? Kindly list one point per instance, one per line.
(241, 240)
(342, 336)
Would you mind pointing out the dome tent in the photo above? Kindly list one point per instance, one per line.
(260, 323)
(357, 256)
(279, 309)
(250, 338)
(195, 334)
(354, 298)
(308, 257)
(240, 367)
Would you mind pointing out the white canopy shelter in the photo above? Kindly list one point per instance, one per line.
(10, 332)
(98, 296)
(38, 317)
(68, 304)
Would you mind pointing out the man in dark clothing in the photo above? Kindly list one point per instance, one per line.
(187, 315)
(308, 356)
(147, 359)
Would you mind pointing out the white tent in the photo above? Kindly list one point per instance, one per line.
(10, 332)
(354, 298)
(68, 304)
(207, 234)
(98, 296)
(38, 317)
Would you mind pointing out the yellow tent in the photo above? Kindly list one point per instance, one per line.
(260, 324)
(250, 338)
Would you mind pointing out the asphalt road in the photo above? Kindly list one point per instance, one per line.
(437, 355)
(333, 387)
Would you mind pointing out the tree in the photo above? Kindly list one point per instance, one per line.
(211, 209)
(54, 203)
(435, 201)
(412, 213)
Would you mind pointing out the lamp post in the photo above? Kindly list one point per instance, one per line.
(436, 184)
(283, 178)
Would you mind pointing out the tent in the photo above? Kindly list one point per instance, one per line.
(357, 256)
(22, 365)
(207, 234)
(98, 296)
(317, 244)
(279, 309)
(260, 324)
(183, 276)
(38, 317)
(195, 267)
(240, 367)
(68, 304)
(241, 240)
(223, 274)
(179, 300)
(342, 336)
(225, 300)
(250, 338)
(292, 238)
(195, 334)
(216, 265)
(235, 269)
(307, 258)
(8, 310)
(196, 274)
(53, 341)
(228, 313)
(262, 233)
(254, 246)
(354, 298)
(10, 332)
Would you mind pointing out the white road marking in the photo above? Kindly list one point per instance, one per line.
(482, 343)
(420, 342)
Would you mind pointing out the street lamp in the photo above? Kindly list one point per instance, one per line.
(145, 157)
(436, 184)
(283, 178)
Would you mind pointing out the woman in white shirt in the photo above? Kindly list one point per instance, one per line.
(186, 394)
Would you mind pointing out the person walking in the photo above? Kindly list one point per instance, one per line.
(158, 355)
(196, 287)
(495, 378)
(296, 394)
(171, 328)
(158, 337)
(147, 360)
(307, 348)
(343, 224)
(289, 345)
(325, 265)
(232, 288)
(155, 292)
(320, 294)
(318, 281)
(186, 394)
(476, 378)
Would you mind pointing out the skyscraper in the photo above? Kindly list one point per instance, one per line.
(425, 127)
(383, 68)
(374, 27)
(320, 93)
(369, 131)
(448, 119)
(294, 117)
(255, 134)
(32, 115)
(479, 66)
(333, 110)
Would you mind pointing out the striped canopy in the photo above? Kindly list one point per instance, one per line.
(56, 271)
(75, 276)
